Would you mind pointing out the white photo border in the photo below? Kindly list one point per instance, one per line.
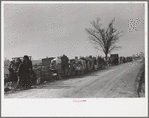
(94, 107)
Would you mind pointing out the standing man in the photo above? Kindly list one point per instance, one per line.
(28, 62)
(65, 65)
(23, 74)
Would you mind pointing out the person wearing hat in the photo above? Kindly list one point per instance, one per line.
(28, 62)
(65, 64)
(22, 72)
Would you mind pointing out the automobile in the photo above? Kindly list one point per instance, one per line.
(114, 59)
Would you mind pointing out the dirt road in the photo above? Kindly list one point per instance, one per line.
(112, 82)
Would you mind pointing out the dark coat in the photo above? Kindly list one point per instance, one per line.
(23, 70)
(24, 76)
(29, 63)
(65, 60)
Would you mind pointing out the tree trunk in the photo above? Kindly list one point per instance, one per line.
(106, 56)
(106, 59)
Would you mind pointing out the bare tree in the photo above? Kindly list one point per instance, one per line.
(104, 39)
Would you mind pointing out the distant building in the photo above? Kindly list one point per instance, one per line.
(47, 61)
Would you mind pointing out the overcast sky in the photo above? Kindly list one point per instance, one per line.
(42, 30)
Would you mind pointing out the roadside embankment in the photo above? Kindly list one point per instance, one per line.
(141, 82)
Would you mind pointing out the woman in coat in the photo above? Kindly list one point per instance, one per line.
(23, 75)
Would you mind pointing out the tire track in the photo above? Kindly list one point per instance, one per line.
(91, 89)
(114, 80)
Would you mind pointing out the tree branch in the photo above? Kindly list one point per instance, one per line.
(104, 38)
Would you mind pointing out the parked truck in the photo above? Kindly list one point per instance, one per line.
(114, 59)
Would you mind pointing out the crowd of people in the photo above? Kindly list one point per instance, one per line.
(19, 73)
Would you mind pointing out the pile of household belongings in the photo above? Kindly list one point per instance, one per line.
(96, 65)
(90, 63)
(56, 64)
(39, 74)
(77, 65)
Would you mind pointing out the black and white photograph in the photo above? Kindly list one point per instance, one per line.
(74, 50)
